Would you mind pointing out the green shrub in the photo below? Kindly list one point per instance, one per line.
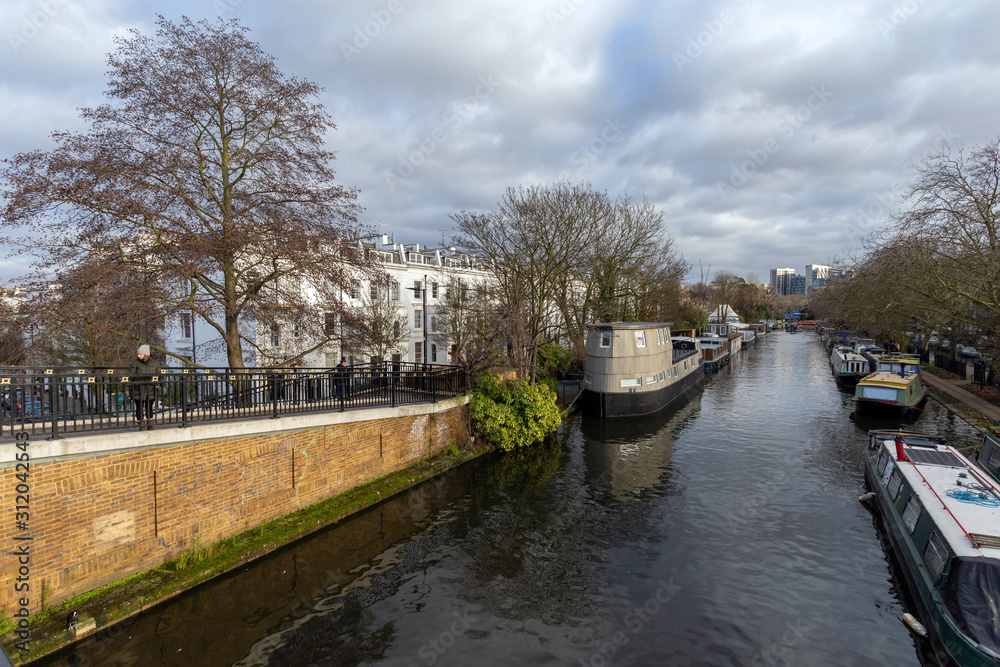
(553, 358)
(512, 413)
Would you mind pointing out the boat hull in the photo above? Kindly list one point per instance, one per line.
(624, 404)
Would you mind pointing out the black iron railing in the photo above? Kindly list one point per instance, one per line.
(957, 366)
(59, 401)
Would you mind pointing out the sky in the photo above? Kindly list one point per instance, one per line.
(770, 133)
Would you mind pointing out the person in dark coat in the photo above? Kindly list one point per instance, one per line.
(340, 378)
(143, 374)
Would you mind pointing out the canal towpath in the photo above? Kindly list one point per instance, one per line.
(954, 389)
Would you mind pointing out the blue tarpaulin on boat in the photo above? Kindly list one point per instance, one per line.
(972, 595)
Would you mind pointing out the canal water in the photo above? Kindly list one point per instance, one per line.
(725, 530)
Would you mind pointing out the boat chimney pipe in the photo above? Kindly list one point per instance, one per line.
(900, 454)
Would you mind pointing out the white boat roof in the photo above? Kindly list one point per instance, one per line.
(931, 473)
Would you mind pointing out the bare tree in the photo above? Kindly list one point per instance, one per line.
(208, 168)
(532, 242)
(380, 327)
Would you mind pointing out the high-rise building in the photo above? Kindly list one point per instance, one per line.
(817, 275)
(781, 280)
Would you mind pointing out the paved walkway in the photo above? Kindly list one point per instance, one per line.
(953, 389)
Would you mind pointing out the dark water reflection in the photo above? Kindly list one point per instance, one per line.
(724, 530)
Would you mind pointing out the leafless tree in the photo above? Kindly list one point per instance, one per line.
(379, 328)
(531, 243)
(208, 168)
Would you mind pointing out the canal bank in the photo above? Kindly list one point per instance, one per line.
(173, 496)
(977, 411)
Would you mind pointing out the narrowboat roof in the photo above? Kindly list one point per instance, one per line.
(934, 469)
(607, 326)
(887, 379)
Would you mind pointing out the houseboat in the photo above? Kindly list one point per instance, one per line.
(895, 385)
(716, 351)
(848, 365)
(636, 368)
(942, 518)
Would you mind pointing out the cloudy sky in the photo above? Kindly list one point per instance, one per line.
(771, 133)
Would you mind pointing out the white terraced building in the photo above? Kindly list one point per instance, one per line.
(416, 299)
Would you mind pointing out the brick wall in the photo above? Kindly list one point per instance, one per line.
(100, 517)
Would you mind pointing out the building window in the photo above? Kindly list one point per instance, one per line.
(275, 335)
(330, 324)
(373, 292)
(418, 316)
(356, 290)
(434, 290)
(640, 339)
(434, 323)
(605, 339)
(395, 329)
(394, 291)
(418, 349)
(416, 289)
(186, 326)
(632, 382)
(434, 352)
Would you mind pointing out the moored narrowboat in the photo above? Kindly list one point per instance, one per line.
(848, 365)
(895, 385)
(942, 518)
(636, 368)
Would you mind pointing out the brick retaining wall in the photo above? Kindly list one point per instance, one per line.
(105, 507)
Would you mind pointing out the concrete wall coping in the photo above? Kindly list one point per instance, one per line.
(170, 435)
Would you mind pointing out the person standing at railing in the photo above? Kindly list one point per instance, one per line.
(143, 372)
(340, 378)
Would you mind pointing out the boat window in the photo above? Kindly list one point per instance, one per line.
(605, 339)
(883, 458)
(911, 513)
(935, 556)
(632, 382)
(685, 365)
(994, 462)
(640, 339)
(894, 483)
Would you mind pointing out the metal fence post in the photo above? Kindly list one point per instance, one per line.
(53, 407)
(274, 395)
(184, 401)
